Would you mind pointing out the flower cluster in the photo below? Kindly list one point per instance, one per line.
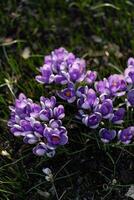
(125, 136)
(62, 67)
(93, 109)
(114, 86)
(101, 104)
(98, 104)
(39, 124)
(96, 100)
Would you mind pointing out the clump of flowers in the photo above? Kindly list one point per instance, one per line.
(64, 68)
(101, 104)
(98, 105)
(61, 67)
(39, 124)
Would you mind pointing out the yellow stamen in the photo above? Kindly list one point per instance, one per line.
(68, 93)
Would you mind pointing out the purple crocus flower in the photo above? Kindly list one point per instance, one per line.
(62, 78)
(70, 58)
(35, 110)
(126, 135)
(26, 127)
(132, 130)
(59, 54)
(130, 62)
(77, 70)
(30, 139)
(117, 85)
(130, 97)
(22, 107)
(81, 91)
(129, 74)
(23, 128)
(48, 59)
(48, 103)
(91, 99)
(55, 123)
(102, 87)
(92, 120)
(16, 130)
(59, 57)
(90, 77)
(88, 100)
(34, 122)
(59, 112)
(46, 114)
(106, 108)
(118, 116)
(56, 136)
(107, 135)
(21, 102)
(38, 129)
(46, 76)
(68, 93)
(41, 149)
